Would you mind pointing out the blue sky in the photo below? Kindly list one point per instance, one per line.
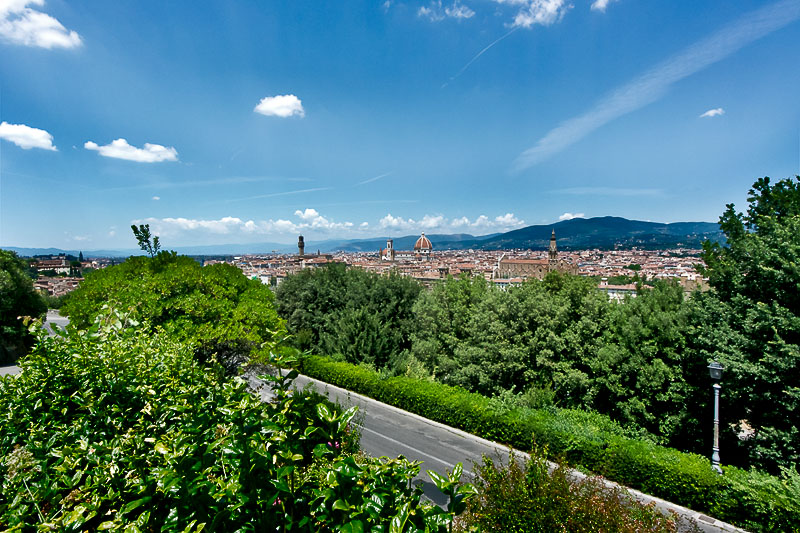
(237, 122)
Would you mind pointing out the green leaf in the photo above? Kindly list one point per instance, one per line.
(440, 481)
(340, 505)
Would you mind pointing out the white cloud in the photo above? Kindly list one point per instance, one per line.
(26, 137)
(311, 222)
(441, 224)
(283, 105)
(537, 12)
(654, 83)
(570, 216)
(156, 198)
(508, 220)
(437, 12)
(19, 24)
(601, 5)
(120, 149)
(713, 112)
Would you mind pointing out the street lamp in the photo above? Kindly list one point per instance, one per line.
(715, 369)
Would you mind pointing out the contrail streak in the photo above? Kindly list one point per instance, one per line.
(654, 83)
(376, 178)
(479, 54)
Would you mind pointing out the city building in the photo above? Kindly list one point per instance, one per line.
(511, 267)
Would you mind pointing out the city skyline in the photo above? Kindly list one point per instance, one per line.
(245, 123)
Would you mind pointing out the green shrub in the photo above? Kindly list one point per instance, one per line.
(529, 498)
(115, 428)
(589, 441)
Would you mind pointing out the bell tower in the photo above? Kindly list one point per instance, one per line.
(552, 254)
(301, 246)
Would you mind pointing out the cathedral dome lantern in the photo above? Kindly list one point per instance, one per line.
(423, 244)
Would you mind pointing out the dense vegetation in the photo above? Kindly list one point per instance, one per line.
(530, 498)
(17, 299)
(215, 308)
(561, 342)
(123, 422)
(117, 428)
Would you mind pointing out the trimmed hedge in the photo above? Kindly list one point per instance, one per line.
(749, 499)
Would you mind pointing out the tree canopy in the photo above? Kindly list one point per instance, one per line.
(210, 305)
(753, 321)
(17, 299)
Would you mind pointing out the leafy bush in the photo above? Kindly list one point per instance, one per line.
(208, 306)
(588, 440)
(531, 498)
(120, 428)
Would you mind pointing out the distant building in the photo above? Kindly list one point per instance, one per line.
(423, 251)
(535, 268)
(617, 293)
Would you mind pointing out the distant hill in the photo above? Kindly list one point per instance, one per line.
(575, 234)
(604, 232)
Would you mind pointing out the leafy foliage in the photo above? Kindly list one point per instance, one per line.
(532, 498)
(119, 428)
(215, 307)
(359, 316)
(752, 321)
(17, 299)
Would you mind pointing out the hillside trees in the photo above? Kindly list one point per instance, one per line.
(17, 299)
(753, 325)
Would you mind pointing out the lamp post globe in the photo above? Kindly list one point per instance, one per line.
(715, 371)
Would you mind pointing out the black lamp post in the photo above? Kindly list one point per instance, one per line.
(715, 369)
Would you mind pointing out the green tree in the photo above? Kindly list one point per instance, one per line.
(362, 316)
(147, 242)
(753, 320)
(17, 299)
(215, 307)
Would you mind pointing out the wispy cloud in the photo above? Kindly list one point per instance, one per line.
(20, 24)
(284, 193)
(120, 149)
(654, 83)
(713, 113)
(156, 198)
(570, 216)
(282, 105)
(601, 5)
(537, 12)
(376, 178)
(436, 12)
(26, 137)
(609, 191)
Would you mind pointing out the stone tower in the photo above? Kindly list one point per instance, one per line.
(552, 254)
(301, 246)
